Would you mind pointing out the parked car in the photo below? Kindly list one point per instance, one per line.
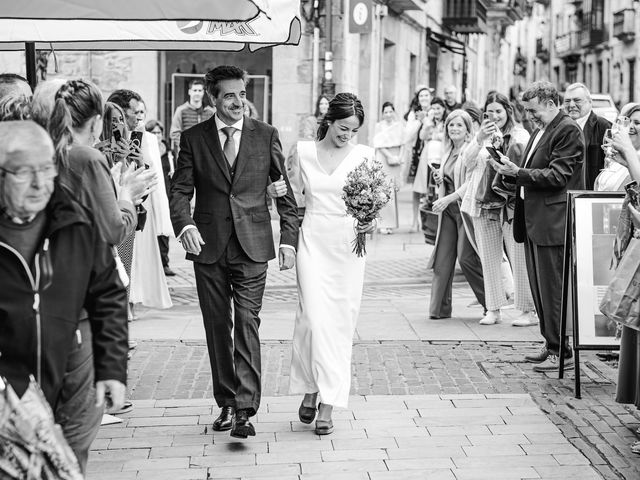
(603, 105)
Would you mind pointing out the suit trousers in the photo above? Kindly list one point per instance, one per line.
(453, 243)
(544, 266)
(163, 245)
(233, 341)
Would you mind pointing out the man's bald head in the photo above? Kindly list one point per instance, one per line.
(21, 139)
(13, 84)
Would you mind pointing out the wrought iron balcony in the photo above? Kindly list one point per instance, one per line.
(624, 23)
(543, 2)
(568, 44)
(465, 16)
(593, 29)
(505, 12)
(542, 52)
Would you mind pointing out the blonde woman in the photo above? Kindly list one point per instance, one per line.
(452, 241)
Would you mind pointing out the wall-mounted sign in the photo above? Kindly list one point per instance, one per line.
(360, 16)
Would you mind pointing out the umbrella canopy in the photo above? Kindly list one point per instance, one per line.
(276, 22)
(132, 10)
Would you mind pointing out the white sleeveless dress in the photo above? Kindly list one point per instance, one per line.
(330, 279)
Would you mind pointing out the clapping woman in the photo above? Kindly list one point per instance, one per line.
(452, 242)
(414, 145)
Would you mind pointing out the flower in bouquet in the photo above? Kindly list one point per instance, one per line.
(367, 190)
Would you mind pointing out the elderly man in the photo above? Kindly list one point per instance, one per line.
(577, 103)
(450, 99)
(63, 316)
(552, 165)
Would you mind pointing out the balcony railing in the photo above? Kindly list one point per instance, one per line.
(465, 16)
(568, 43)
(506, 12)
(593, 29)
(624, 24)
(542, 52)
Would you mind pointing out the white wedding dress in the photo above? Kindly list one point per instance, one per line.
(330, 279)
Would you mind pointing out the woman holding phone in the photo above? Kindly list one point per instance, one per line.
(490, 201)
(414, 145)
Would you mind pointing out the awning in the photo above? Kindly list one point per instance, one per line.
(133, 9)
(278, 25)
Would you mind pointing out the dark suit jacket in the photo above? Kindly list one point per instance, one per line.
(554, 167)
(224, 204)
(594, 159)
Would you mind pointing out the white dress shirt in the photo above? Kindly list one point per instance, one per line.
(534, 144)
(582, 121)
(237, 135)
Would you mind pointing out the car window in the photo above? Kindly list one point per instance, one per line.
(602, 103)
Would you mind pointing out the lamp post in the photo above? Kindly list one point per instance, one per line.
(328, 85)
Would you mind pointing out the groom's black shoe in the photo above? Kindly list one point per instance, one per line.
(242, 427)
(224, 420)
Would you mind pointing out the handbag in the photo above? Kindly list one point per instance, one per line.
(429, 221)
(621, 301)
(416, 151)
(142, 217)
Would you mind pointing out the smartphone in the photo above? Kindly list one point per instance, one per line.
(136, 138)
(117, 135)
(494, 154)
(486, 116)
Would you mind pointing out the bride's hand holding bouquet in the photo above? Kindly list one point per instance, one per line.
(366, 191)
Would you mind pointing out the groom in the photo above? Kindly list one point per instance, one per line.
(229, 160)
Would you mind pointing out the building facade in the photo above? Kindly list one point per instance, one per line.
(594, 42)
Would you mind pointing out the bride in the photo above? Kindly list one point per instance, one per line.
(329, 275)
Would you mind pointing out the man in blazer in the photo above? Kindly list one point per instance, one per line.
(552, 166)
(578, 105)
(229, 160)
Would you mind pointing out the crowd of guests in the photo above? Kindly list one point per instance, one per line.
(84, 226)
(83, 205)
(501, 188)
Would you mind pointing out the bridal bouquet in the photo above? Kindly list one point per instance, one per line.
(366, 191)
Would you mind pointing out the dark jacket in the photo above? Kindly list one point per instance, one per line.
(40, 306)
(594, 157)
(226, 204)
(554, 168)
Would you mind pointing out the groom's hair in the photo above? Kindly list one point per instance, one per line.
(224, 72)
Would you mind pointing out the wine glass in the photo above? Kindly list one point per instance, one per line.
(622, 124)
(607, 146)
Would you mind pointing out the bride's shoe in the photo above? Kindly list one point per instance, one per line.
(307, 414)
(324, 427)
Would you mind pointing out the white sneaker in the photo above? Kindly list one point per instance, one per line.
(491, 318)
(527, 319)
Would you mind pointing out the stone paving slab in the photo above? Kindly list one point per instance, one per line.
(409, 449)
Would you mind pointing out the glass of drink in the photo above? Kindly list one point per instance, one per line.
(623, 123)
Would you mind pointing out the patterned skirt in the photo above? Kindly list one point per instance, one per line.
(125, 250)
